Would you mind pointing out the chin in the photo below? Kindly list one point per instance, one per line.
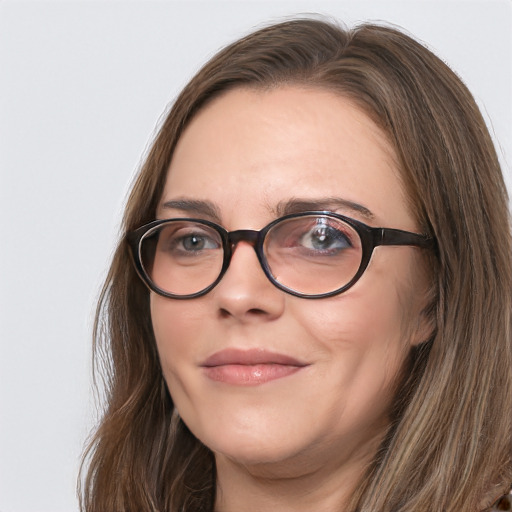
(251, 447)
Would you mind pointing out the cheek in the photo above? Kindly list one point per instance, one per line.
(362, 319)
(177, 327)
(363, 335)
(175, 319)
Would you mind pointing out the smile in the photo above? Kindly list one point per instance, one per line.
(249, 367)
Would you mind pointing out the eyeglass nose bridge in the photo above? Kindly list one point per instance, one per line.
(243, 235)
(254, 238)
(250, 236)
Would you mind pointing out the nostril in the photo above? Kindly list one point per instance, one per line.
(255, 312)
(224, 313)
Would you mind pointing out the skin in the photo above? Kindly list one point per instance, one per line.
(300, 442)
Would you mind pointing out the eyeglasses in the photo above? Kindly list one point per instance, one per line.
(311, 254)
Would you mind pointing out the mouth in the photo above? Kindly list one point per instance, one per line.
(249, 367)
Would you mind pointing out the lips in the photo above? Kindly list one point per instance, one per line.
(249, 367)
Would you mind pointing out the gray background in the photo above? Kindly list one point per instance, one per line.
(82, 85)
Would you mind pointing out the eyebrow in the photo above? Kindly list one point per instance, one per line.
(298, 205)
(290, 206)
(194, 206)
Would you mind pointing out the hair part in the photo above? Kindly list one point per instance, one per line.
(450, 441)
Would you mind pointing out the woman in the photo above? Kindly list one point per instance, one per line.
(277, 351)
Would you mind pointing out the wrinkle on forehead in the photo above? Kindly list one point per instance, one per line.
(294, 117)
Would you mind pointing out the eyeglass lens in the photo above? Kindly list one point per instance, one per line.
(310, 255)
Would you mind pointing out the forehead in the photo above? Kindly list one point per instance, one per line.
(250, 150)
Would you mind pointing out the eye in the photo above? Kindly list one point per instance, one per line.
(195, 242)
(188, 240)
(325, 238)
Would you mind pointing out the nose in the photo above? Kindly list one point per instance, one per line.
(244, 292)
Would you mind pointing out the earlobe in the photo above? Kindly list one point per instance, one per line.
(425, 328)
(426, 322)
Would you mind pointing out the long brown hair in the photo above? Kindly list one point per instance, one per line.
(450, 443)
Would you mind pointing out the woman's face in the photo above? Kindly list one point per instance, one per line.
(263, 378)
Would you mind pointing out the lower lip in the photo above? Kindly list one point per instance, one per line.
(249, 375)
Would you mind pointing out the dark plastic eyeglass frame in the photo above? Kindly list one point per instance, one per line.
(370, 238)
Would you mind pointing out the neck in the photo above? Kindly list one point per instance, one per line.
(300, 485)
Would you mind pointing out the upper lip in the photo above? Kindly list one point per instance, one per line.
(249, 357)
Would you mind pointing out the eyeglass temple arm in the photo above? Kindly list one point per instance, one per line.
(388, 236)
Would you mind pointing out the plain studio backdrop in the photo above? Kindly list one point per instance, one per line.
(82, 86)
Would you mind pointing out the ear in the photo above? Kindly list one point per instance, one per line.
(425, 328)
(425, 325)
